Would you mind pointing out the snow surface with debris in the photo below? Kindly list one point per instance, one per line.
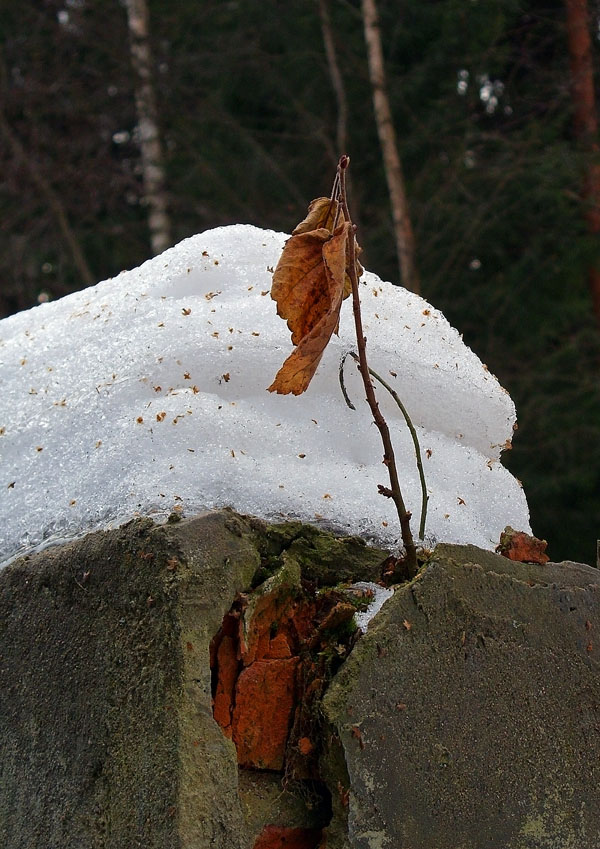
(147, 394)
(379, 597)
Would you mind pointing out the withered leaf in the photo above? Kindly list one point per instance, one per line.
(299, 282)
(322, 212)
(308, 286)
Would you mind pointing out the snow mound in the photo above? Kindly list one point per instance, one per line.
(147, 394)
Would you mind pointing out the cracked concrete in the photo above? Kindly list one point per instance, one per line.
(469, 714)
(107, 735)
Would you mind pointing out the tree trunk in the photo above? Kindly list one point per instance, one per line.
(585, 121)
(147, 114)
(339, 89)
(405, 241)
(336, 79)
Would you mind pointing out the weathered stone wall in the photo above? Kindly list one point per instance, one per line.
(107, 735)
(469, 714)
(106, 730)
(467, 717)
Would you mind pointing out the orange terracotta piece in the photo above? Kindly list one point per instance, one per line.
(256, 637)
(264, 703)
(265, 679)
(517, 545)
(279, 837)
(302, 619)
(279, 648)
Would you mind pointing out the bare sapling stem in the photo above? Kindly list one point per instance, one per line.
(389, 460)
(411, 427)
(414, 437)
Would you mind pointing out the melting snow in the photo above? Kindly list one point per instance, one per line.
(147, 394)
(380, 596)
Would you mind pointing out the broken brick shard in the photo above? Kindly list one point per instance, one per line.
(264, 702)
(519, 546)
(278, 648)
(270, 660)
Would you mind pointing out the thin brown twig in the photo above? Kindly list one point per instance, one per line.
(415, 439)
(388, 456)
(342, 383)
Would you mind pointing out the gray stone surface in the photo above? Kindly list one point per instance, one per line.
(468, 717)
(469, 714)
(107, 738)
(106, 730)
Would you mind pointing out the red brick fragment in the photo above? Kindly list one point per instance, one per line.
(264, 702)
(280, 837)
(517, 545)
(302, 618)
(271, 609)
(279, 647)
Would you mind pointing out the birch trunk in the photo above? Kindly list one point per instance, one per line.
(147, 114)
(405, 241)
(585, 121)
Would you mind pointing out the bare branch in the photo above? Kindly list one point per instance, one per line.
(403, 231)
(389, 459)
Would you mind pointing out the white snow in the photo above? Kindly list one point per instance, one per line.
(380, 596)
(147, 394)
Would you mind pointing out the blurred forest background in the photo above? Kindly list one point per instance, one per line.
(253, 102)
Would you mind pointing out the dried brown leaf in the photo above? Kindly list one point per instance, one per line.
(308, 285)
(322, 213)
(300, 282)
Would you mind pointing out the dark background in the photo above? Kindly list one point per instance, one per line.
(248, 115)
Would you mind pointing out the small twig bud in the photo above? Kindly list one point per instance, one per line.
(344, 161)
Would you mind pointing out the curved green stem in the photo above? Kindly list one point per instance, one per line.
(342, 384)
(415, 439)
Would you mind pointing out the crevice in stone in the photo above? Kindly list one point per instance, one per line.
(276, 651)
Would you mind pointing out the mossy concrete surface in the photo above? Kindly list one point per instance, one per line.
(469, 714)
(106, 730)
(107, 734)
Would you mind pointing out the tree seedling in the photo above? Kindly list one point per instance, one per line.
(318, 268)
